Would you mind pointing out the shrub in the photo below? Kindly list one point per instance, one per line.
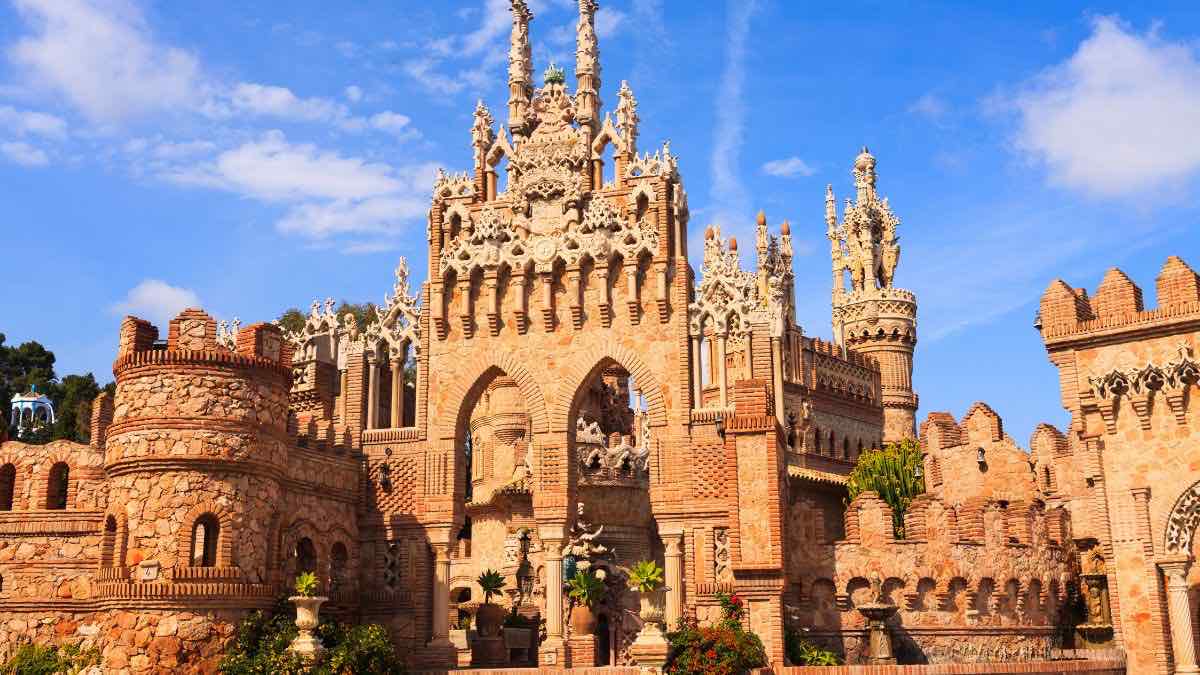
(491, 583)
(646, 576)
(36, 659)
(725, 649)
(260, 647)
(801, 652)
(586, 589)
(892, 474)
(306, 584)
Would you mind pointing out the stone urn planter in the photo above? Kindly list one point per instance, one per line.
(653, 607)
(879, 648)
(583, 620)
(488, 619)
(308, 608)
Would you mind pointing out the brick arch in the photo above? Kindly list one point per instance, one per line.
(587, 364)
(20, 468)
(476, 374)
(183, 550)
(112, 551)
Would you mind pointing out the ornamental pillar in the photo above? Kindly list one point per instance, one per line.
(372, 388)
(673, 557)
(554, 646)
(721, 371)
(441, 595)
(697, 375)
(1175, 572)
(397, 408)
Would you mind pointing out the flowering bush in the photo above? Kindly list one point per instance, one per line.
(725, 649)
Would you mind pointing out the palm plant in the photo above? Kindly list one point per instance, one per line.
(491, 583)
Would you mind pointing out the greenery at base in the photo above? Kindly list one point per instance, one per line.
(35, 659)
(892, 474)
(801, 652)
(724, 649)
(491, 583)
(646, 576)
(260, 647)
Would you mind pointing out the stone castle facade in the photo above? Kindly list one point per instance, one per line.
(563, 388)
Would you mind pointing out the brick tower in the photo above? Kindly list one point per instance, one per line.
(872, 316)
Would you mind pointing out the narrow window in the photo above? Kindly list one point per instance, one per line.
(205, 534)
(56, 489)
(338, 560)
(8, 482)
(306, 556)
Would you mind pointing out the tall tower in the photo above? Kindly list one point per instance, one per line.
(870, 316)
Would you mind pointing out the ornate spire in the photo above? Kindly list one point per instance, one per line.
(864, 175)
(482, 133)
(587, 65)
(627, 117)
(520, 66)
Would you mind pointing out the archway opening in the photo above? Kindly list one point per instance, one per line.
(306, 556)
(205, 534)
(8, 484)
(56, 487)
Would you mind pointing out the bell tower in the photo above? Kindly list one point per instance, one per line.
(871, 316)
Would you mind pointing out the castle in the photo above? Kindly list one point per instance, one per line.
(563, 390)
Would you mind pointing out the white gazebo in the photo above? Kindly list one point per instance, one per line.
(30, 411)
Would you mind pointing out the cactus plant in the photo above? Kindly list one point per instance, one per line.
(892, 474)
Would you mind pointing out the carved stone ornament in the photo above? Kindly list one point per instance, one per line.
(1184, 518)
(495, 241)
(398, 321)
(227, 333)
(729, 298)
(1175, 375)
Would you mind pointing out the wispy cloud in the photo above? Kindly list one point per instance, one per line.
(788, 168)
(156, 301)
(104, 60)
(327, 194)
(1116, 118)
(20, 152)
(930, 106)
(29, 122)
(730, 200)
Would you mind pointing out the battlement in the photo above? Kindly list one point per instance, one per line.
(1068, 313)
(978, 520)
(831, 349)
(974, 459)
(194, 336)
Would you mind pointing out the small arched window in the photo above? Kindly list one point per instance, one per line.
(205, 534)
(306, 556)
(8, 483)
(56, 488)
(338, 561)
(845, 448)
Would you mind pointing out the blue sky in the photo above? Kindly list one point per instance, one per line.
(250, 157)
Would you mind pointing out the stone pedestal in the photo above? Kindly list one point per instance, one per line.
(307, 644)
(488, 652)
(582, 651)
(879, 646)
(650, 649)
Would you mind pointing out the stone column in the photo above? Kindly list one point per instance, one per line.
(1175, 570)
(697, 375)
(721, 371)
(673, 555)
(554, 645)
(397, 393)
(441, 595)
(372, 388)
(345, 385)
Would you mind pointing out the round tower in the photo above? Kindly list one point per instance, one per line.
(195, 454)
(870, 315)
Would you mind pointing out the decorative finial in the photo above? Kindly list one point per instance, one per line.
(785, 228)
(554, 75)
(733, 243)
(761, 219)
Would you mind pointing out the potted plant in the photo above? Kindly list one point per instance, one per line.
(518, 630)
(646, 578)
(308, 607)
(489, 616)
(586, 590)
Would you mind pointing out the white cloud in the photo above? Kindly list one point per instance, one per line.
(32, 122)
(20, 152)
(102, 57)
(496, 22)
(608, 20)
(1119, 116)
(368, 247)
(353, 93)
(787, 168)
(929, 106)
(327, 194)
(731, 201)
(156, 301)
(394, 123)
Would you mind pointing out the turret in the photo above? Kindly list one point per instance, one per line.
(520, 66)
(195, 452)
(872, 316)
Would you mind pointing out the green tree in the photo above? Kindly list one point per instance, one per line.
(73, 408)
(31, 365)
(892, 474)
(292, 320)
